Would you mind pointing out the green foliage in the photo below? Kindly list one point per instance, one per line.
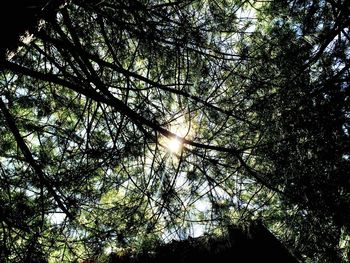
(257, 93)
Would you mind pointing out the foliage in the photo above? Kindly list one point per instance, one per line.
(255, 93)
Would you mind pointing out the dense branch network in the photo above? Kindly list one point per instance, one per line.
(92, 106)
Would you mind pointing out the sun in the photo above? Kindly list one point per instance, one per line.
(180, 130)
(174, 145)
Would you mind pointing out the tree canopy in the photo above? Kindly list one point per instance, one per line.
(125, 124)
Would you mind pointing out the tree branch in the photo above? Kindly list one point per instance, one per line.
(29, 158)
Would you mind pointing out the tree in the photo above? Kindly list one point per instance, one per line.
(309, 116)
(128, 123)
